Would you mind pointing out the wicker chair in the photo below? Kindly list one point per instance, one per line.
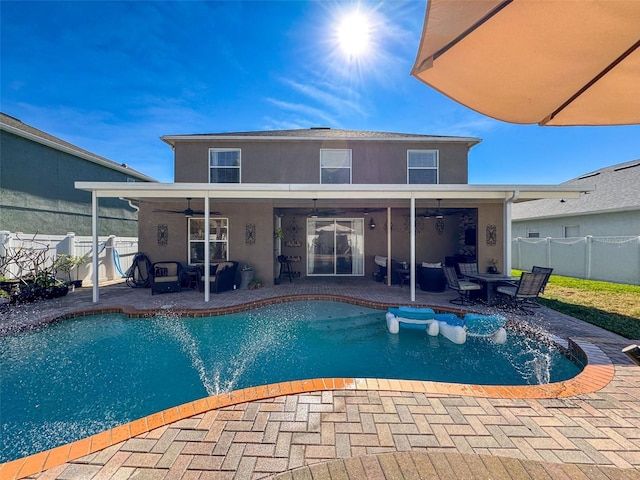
(222, 277)
(463, 287)
(521, 296)
(166, 277)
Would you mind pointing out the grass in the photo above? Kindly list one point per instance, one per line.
(612, 306)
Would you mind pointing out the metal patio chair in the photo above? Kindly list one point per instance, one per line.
(521, 296)
(463, 287)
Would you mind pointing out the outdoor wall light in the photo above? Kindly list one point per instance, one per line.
(633, 352)
(372, 224)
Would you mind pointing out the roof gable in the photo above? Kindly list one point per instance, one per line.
(16, 127)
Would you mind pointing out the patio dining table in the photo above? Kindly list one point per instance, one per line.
(490, 282)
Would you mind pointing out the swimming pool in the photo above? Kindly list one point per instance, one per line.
(82, 376)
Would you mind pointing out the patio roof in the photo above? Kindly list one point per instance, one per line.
(256, 191)
(390, 195)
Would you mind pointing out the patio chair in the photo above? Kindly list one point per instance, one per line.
(463, 287)
(166, 277)
(222, 277)
(521, 296)
(544, 270)
(467, 269)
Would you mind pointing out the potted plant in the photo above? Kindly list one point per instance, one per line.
(4, 297)
(493, 266)
(278, 233)
(255, 284)
(66, 263)
(246, 276)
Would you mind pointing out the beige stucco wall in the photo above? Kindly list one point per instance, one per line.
(259, 255)
(430, 246)
(490, 214)
(299, 162)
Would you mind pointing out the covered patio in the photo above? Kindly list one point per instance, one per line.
(280, 198)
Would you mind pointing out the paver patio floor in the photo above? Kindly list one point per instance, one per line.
(369, 430)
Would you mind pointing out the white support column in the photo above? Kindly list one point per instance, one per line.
(388, 246)
(412, 263)
(207, 250)
(96, 261)
(506, 260)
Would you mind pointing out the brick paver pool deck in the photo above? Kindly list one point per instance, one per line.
(586, 428)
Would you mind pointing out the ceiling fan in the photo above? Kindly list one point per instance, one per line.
(437, 213)
(187, 212)
(314, 213)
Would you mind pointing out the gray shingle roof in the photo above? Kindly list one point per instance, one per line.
(617, 188)
(14, 123)
(330, 133)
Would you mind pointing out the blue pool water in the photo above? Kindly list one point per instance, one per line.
(82, 376)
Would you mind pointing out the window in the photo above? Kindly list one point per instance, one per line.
(533, 234)
(571, 231)
(218, 240)
(422, 166)
(224, 165)
(335, 166)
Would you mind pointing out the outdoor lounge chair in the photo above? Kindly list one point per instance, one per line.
(222, 277)
(463, 287)
(522, 295)
(166, 277)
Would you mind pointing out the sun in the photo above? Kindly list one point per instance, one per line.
(354, 34)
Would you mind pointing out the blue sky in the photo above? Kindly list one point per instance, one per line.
(112, 77)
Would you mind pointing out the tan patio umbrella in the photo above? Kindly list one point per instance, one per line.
(552, 62)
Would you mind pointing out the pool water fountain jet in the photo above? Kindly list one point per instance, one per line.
(175, 326)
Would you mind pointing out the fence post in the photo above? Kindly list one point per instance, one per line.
(548, 255)
(67, 246)
(108, 262)
(5, 237)
(587, 260)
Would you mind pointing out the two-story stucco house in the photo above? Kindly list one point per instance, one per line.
(37, 175)
(338, 197)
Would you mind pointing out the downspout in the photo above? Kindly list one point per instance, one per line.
(506, 260)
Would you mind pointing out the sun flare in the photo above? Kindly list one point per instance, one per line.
(354, 34)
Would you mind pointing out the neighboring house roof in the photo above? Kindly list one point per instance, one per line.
(16, 127)
(321, 133)
(617, 189)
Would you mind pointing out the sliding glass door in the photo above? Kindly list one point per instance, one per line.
(335, 246)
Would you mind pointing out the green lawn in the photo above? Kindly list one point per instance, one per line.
(613, 306)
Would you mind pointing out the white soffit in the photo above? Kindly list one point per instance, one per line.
(255, 191)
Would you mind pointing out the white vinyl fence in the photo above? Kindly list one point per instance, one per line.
(115, 254)
(611, 259)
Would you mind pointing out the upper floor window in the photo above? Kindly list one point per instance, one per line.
(224, 165)
(335, 165)
(422, 166)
